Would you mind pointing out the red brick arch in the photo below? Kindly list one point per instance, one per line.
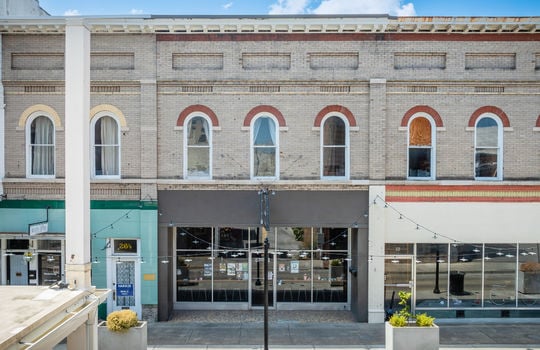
(489, 109)
(264, 109)
(422, 109)
(334, 108)
(197, 108)
(538, 122)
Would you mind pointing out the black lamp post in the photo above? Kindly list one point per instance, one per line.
(266, 245)
(436, 290)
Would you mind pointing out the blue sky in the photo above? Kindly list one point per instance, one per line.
(253, 7)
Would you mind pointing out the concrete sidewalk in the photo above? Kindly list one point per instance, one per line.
(329, 336)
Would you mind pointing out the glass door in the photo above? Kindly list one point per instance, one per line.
(398, 276)
(257, 278)
(125, 285)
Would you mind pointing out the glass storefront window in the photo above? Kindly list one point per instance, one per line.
(500, 275)
(431, 275)
(528, 276)
(465, 280)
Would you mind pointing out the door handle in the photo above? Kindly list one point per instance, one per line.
(114, 295)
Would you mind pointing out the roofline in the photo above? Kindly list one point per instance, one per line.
(346, 23)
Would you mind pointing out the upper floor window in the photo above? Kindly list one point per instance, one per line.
(421, 149)
(488, 145)
(264, 148)
(105, 146)
(40, 147)
(197, 148)
(335, 148)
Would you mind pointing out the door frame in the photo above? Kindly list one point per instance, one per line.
(272, 283)
(112, 259)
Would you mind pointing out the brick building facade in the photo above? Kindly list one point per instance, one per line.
(369, 143)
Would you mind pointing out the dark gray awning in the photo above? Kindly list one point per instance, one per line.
(242, 208)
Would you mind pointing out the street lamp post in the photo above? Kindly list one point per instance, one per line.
(266, 245)
(436, 290)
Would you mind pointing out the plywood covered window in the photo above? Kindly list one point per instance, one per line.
(421, 142)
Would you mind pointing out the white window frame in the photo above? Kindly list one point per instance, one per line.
(252, 147)
(433, 147)
(347, 147)
(29, 122)
(499, 147)
(93, 145)
(209, 135)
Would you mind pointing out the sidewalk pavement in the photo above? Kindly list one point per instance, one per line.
(467, 334)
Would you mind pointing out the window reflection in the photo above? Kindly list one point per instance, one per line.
(431, 275)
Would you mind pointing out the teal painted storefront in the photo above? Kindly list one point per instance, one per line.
(110, 220)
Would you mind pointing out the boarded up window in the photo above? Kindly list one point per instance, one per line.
(338, 60)
(202, 61)
(37, 61)
(266, 61)
(419, 60)
(420, 132)
(112, 60)
(490, 61)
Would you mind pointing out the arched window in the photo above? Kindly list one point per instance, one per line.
(335, 147)
(198, 148)
(488, 146)
(40, 147)
(264, 147)
(106, 146)
(421, 164)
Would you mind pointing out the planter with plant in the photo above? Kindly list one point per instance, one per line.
(122, 330)
(405, 331)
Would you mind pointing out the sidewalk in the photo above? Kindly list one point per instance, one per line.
(505, 334)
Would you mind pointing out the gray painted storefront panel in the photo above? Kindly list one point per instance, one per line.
(242, 208)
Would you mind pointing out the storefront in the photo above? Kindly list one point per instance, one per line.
(217, 260)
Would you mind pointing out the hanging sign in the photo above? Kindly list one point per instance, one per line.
(38, 227)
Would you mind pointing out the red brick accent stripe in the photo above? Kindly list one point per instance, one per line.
(422, 109)
(197, 108)
(264, 109)
(474, 193)
(350, 37)
(489, 109)
(334, 108)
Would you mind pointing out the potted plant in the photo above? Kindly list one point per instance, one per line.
(122, 330)
(405, 331)
(529, 278)
(336, 272)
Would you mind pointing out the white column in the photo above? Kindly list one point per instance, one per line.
(377, 233)
(2, 126)
(77, 150)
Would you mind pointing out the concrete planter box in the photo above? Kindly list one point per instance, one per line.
(134, 339)
(411, 337)
(529, 282)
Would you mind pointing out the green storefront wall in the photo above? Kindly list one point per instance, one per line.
(108, 219)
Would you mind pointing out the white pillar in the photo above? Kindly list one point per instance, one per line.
(77, 150)
(2, 126)
(377, 233)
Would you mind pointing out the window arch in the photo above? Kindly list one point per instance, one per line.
(421, 148)
(198, 146)
(105, 139)
(264, 147)
(488, 147)
(335, 147)
(40, 150)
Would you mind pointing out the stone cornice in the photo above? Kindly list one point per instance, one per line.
(307, 24)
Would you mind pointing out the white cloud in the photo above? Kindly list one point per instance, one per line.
(72, 13)
(391, 7)
(289, 7)
(136, 12)
(227, 5)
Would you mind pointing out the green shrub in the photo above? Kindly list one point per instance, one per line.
(398, 320)
(122, 320)
(423, 320)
